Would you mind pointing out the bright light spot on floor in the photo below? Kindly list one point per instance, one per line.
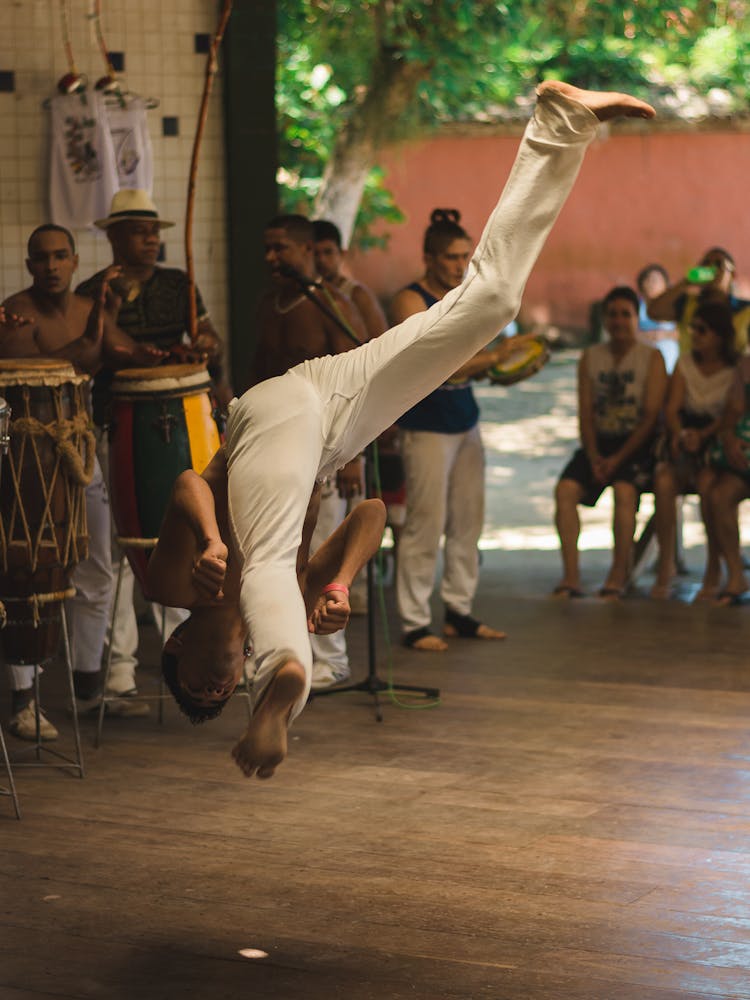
(47, 899)
(253, 953)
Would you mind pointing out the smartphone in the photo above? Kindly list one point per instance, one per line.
(701, 275)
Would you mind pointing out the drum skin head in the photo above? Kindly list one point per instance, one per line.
(158, 372)
(521, 364)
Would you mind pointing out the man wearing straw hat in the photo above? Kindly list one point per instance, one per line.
(151, 304)
(247, 515)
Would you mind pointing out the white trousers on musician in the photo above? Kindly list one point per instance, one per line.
(88, 611)
(285, 433)
(444, 495)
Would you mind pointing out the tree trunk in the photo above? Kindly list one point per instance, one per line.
(370, 124)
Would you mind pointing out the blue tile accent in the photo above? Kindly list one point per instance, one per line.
(118, 61)
(170, 126)
(7, 81)
(202, 44)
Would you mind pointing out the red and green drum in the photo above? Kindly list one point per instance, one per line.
(162, 424)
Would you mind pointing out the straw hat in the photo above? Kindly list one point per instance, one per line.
(132, 204)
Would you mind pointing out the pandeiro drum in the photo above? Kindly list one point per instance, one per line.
(524, 361)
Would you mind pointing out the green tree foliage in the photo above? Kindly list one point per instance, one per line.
(467, 60)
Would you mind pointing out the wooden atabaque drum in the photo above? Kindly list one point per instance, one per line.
(43, 533)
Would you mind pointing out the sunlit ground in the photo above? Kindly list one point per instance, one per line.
(529, 431)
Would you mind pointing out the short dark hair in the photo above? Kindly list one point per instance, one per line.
(50, 227)
(297, 226)
(622, 292)
(443, 229)
(325, 230)
(196, 712)
(650, 269)
(718, 318)
(724, 253)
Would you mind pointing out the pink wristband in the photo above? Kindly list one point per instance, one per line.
(329, 587)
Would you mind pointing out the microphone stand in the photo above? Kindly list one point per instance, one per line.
(372, 684)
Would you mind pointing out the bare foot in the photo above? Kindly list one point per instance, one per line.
(430, 644)
(263, 747)
(661, 591)
(707, 592)
(604, 104)
(482, 632)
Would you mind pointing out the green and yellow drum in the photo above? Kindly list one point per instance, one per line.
(523, 362)
(162, 424)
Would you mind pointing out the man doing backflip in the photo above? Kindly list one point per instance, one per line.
(287, 433)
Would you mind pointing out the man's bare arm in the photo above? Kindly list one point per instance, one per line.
(189, 564)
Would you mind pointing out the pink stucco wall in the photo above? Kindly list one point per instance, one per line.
(651, 196)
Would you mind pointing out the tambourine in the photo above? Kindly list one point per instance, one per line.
(524, 361)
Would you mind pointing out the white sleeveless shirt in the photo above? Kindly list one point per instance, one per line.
(704, 394)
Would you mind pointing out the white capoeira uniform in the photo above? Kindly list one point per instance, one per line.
(288, 432)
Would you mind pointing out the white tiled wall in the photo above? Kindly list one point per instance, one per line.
(157, 37)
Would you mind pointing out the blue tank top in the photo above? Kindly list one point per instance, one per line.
(450, 409)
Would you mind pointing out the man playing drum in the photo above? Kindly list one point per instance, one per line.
(153, 308)
(287, 433)
(48, 319)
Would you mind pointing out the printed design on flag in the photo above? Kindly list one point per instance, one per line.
(79, 148)
(126, 152)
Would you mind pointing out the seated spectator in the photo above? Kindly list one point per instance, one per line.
(733, 483)
(695, 402)
(621, 389)
(651, 282)
(678, 302)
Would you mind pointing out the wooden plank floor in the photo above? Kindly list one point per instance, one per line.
(571, 823)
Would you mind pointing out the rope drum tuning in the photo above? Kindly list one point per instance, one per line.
(36, 601)
(79, 469)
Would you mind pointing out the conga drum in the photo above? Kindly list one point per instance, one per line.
(161, 424)
(50, 461)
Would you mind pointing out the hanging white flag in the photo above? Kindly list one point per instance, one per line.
(83, 174)
(132, 144)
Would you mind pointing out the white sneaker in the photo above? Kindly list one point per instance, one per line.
(23, 724)
(325, 675)
(125, 704)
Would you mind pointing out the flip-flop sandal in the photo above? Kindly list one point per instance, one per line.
(729, 599)
(564, 591)
(611, 593)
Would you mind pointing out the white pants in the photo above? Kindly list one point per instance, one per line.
(444, 494)
(329, 649)
(88, 611)
(285, 433)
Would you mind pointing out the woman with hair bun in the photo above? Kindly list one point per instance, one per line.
(443, 462)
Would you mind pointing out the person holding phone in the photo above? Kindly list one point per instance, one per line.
(712, 280)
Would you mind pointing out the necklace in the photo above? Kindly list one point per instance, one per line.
(288, 308)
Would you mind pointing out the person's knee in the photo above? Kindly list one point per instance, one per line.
(567, 494)
(626, 497)
(664, 482)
